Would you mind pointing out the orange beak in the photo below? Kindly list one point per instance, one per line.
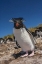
(17, 24)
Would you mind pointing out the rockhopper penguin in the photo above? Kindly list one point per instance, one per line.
(23, 37)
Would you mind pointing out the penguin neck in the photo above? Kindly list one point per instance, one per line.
(19, 30)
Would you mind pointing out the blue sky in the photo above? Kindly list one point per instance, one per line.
(30, 10)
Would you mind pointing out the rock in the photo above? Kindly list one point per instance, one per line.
(7, 52)
(39, 40)
(27, 61)
(40, 47)
(4, 62)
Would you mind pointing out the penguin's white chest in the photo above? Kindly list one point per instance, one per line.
(23, 39)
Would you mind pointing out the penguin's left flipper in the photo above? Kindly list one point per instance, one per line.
(28, 30)
(31, 36)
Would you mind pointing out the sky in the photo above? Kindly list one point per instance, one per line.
(30, 10)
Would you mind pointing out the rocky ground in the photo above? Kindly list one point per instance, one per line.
(7, 54)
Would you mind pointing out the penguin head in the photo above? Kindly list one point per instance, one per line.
(18, 23)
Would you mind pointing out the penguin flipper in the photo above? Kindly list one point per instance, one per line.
(27, 30)
(31, 36)
(17, 45)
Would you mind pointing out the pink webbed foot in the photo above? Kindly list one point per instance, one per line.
(32, 54)
(25, 55)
